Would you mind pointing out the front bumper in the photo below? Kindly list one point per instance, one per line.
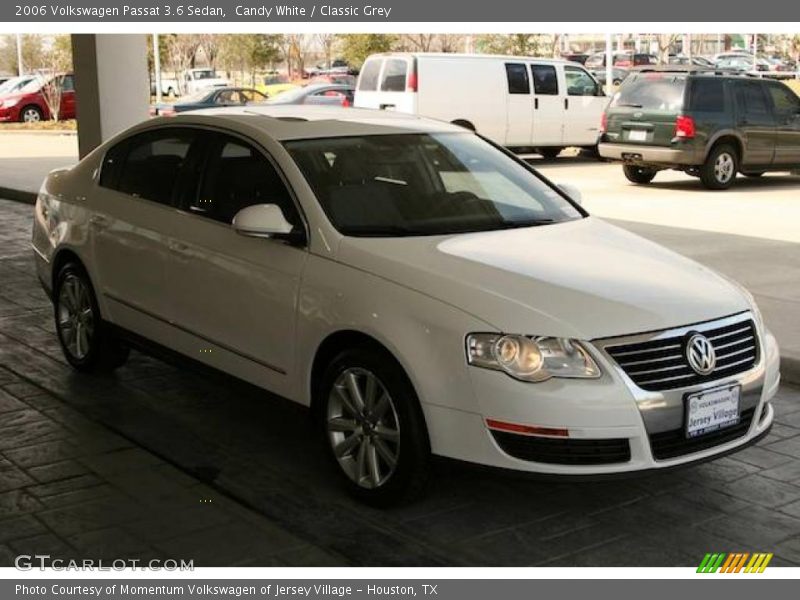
(598, 414)
(640, 154)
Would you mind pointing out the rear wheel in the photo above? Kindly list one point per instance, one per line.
(374, 428)
(550, 153)
(720, 168)
(86, 341)
(637, 174)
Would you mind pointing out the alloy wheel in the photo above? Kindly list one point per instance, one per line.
(724, 167)
(75, 316)
(31, 115)
(363, 427)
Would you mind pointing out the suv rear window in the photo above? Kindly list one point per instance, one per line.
(708, 95)
(369, 76)
(652, 92)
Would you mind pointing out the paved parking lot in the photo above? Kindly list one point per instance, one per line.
(160, 462)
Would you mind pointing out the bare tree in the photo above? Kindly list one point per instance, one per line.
(450, 42)
(211, 45)
(56, 59)
(181, 50)
(665, 43)
(327, 41)
(418, 42)
(299, 46)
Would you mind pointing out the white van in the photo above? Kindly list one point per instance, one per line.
(522, 103)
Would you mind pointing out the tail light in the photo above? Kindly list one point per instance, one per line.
(604, 123)
(346, 101)
(411, 86)
(685, 127)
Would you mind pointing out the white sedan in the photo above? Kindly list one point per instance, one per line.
(423, 291)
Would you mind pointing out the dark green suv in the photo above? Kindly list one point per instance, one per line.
(707, 124)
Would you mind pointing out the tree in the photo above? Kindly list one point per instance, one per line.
(249, 52)
(516, 44)
(665, 43)
(358, 46)
(181, 52)
(326, 42)
(210, 43)
(298, 48)
(57, 59)
(32, 53)
(418, 42)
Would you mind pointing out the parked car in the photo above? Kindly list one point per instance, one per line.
(617, 73)
(621, 59)
(191, 81)
(522, 103)
(707, 125)
(13, 84)
(696, 61)
(572, 57)
(28, 105)
(274, 84)
(421, 290)
(742, 63)
(334, 77)
(317, 93)
(229, 96)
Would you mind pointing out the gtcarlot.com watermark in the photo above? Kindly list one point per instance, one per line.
(28, 562)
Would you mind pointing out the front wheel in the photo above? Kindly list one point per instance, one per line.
(374, 428)
(719, 170)
(86, 341)
(637, 174)
(31, 114)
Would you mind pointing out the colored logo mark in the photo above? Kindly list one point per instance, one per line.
(737, 562)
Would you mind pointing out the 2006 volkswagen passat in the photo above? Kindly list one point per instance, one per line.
(420, 289)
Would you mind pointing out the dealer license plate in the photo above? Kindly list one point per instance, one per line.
(712, 410)
(637, 135)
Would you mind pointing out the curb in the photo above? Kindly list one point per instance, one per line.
(790, 365)
(55, 132)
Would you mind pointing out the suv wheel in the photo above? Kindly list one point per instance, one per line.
(550, 153)
(85, 339)
(374, 427)
(720, 168)
(637, 174)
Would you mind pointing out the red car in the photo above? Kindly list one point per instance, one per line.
(28, 104)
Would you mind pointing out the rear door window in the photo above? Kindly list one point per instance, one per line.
(708, 95)
(784, 101)
(148, 165)
(517, 74)
(750, 99)
(545, 80)
(369, 75)
(394, 75)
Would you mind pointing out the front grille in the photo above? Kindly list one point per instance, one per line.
(669, 444)
(662, 365)
(564, 451)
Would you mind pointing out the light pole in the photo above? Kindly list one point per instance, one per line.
(157, 66)
(609, 63)
(20, 67)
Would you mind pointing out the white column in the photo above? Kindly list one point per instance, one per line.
(20, 66)
(157, 66)
(111, 85)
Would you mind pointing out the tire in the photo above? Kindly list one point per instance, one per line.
(550, 153)
(637, 174)
(31, 114)
(380, 450)
(719, 170)
(86, 340)
(753, 174)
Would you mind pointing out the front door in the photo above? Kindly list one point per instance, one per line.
(755, 122)
(519, 117)
(67, 110)
(786, 108)
(234, 297)
(548, 107)
(584, 104)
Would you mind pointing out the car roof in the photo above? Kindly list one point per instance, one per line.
(554, 61)
(293, 122)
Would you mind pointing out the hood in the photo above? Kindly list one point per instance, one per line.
(583, 279)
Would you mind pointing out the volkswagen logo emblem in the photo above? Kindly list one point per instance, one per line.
(700, 354)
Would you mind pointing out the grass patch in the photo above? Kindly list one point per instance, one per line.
(68, 125)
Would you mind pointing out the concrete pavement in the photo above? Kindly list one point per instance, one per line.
(26, 158)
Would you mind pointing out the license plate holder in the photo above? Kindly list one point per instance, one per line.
(712, 410)
(637, 135)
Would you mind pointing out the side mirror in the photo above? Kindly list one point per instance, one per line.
(262, 220)
(571, 191)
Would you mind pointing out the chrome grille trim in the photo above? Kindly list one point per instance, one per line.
(656, 361)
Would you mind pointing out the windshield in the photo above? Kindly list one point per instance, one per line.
(14, 84)
(34, 85)
(424, 184)
(205, 74)
(651, 91)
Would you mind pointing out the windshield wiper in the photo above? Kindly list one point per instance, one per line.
(630, 104)
(382, 231)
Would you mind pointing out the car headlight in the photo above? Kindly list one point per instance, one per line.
(530, 358)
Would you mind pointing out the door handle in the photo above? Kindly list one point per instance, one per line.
(536, 104)
(566, 103)
(385, 106)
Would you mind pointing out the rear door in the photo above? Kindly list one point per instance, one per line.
(519, 113)
(367, 94)
(394, 91)
(786, 108)
(67, 97)
(583, 107)
(755, 122)
(548, 106)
